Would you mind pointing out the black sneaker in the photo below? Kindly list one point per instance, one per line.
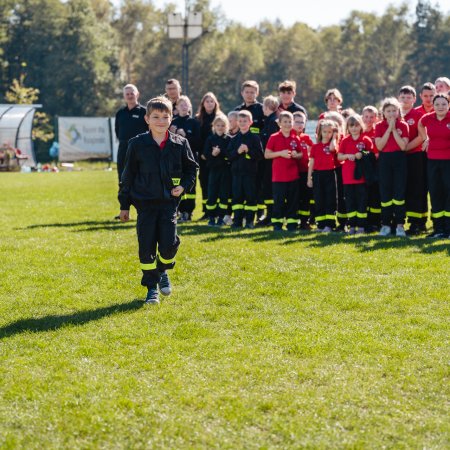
(165, 287)
(211, 222)
(220, 222)
(249, 226)
(152, 296)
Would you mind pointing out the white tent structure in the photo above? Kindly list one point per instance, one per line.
(16, 123)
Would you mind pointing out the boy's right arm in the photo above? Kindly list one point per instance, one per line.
(127, 178)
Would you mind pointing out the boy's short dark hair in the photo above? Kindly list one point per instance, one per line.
(445, 96)
(407, 90)
(174, 81)
(427, 87)
(245, 113)
(162, 104)
(250, 83)
(287, 86)
(285, 114)
(300, 114)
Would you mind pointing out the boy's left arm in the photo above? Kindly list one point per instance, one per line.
(255, 149)
(189, 167)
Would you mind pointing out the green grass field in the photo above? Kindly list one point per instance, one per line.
(269, 341)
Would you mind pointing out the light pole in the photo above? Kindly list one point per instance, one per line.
(189, 28)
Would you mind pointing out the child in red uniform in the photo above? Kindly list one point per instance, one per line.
(333, 99)
(283, 148)
(341, 211)
(436, 128)
(370, 119)
(416, 188)
(305, 193)
(427, 92)
(351, 150)
(442, 85)
(391, 139)
(321, 175)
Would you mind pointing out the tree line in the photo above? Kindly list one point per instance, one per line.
(79, 53)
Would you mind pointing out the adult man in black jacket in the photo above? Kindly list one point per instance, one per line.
(129, 123)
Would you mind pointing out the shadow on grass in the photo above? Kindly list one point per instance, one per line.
(50, 323)
(90, 225)
(365, 243)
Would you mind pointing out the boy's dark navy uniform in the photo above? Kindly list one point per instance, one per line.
(192, 129)
(244, 169)
(219, 175)
(128, 124)
(258, 117)
(256, 109)
(294, 107)
(151, 172)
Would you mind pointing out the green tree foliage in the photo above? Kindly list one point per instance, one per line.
(19, 94)
(79, 53)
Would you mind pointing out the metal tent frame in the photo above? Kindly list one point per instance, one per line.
(16, 123)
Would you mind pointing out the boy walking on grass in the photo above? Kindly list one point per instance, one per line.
(159, 167)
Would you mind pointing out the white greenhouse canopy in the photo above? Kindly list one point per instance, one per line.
(16, 123)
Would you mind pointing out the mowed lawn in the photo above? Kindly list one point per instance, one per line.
(268, 341)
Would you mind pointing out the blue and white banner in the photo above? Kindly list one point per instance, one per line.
(82, 138)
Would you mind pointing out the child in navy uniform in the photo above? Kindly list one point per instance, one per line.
(215, 153)
(244, 152)
(188, 127)
(159, 167)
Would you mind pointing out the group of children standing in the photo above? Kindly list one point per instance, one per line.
(365, 172)
(369, 170)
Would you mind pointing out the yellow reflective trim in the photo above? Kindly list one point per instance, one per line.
(303, 213)
(386, 204)
(184, 197)
(375, 210)
(361, 215)
(223, 206)
(254, 130)
(247, 156)
(150, 266)
(330, 217)
(312, 202)
(292, 221)
(398, 202)
(235, 207)
(414, 214)
(272, 220)
(321, 217)
(351, 214)
(341, 215)
(268, 202)
(190, 196)
(261, 206)
(438, 215)
(176, 181)
(166, 261)
(204, 201)
(211, 207)
(446, 214)
(251, 208)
